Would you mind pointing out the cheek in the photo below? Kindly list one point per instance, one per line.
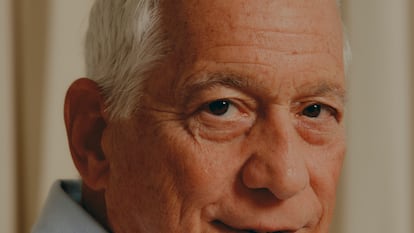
(139, 183)
(324, 167)
(204, 170)
(165, 172)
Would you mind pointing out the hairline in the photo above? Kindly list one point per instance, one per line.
(121, 105)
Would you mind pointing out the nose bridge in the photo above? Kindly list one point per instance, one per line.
(277, 162)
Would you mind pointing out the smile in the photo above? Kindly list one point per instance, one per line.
(226, 228)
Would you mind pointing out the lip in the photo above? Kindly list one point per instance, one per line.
(227, 228)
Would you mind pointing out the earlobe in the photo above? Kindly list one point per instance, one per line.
(85, 121)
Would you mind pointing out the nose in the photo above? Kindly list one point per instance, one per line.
(277, 162)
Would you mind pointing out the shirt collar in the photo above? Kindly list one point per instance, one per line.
(63, 212)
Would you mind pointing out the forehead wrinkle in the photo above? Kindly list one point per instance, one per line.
(288, 11)
(323, 88)
(277, 41)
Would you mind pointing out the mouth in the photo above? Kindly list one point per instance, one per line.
(226, 228)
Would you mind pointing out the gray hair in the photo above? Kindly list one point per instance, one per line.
(123, 43)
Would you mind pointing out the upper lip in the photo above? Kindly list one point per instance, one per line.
(251, 229)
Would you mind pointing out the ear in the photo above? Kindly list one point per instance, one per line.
(85, 122)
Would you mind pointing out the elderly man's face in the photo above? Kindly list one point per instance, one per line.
(241, 129)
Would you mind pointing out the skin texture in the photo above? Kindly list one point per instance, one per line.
(269, 162)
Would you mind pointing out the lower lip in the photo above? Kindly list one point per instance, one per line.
(226, 228)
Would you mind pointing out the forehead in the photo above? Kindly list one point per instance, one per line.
(221, 21)
(283, 37)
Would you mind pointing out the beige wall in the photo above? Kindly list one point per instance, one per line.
(7, 133)
(41, 53)
(378, 180)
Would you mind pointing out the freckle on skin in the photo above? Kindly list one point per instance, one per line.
(211, 164)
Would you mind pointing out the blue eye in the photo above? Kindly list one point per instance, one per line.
(219, 107)
(312, 111)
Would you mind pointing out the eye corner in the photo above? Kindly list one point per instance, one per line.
(314, 110)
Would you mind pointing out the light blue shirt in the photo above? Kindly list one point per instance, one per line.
(63, 213)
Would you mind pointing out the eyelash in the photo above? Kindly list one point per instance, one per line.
(322, 107)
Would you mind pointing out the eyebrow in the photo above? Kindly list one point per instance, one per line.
(210, 80)
(324, 88)
(236, 81)
(213, 79)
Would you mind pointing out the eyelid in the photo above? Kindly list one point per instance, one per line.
(328, 101)
(239, 106)
(218, 92)
(335, 110)
(238, 120)
(323, 106)
(206, 105)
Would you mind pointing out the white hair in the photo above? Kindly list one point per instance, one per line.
(347, 52)
(123, 43)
